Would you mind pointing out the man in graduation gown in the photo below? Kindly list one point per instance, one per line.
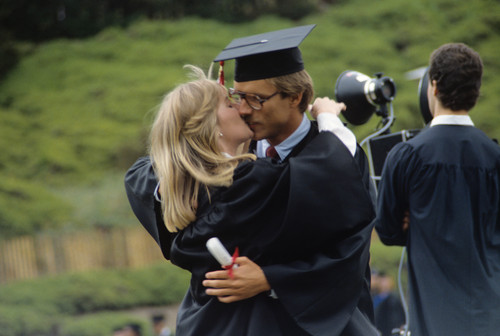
(324, 284)
(448, 179)
(313, 251)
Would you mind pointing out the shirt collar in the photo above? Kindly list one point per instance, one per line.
(463, 120)
(285, 147)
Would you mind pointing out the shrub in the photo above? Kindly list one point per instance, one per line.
(27, 207)
(87, 304)
(89, 292)
(100, 324)
(23, 321)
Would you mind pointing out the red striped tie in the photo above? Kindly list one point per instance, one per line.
(271, 152)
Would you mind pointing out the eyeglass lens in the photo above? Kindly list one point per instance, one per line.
(254, 101)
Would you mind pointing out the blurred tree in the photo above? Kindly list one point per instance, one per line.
(296, 9)
(38, 21)
(8, 53)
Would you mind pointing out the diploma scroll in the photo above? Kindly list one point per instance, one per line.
(220, 253)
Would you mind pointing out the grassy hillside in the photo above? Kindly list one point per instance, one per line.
(74, 114)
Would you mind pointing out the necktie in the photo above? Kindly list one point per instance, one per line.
(272, 153)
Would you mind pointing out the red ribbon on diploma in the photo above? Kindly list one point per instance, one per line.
(229, 268)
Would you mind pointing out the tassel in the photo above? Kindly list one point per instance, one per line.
(221, 73)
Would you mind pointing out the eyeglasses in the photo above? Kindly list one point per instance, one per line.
(254, 101)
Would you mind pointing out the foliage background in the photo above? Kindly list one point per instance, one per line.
(80, 84)
(75, 113)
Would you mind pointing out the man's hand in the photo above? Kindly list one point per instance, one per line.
(326, 105)
(248, 280)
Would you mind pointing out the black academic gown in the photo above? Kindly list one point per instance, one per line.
(324, 206)
(140, 184)
(353, 312)
(449, 178)
(389, 314)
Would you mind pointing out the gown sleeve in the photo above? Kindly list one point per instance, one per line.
(140, 184)
(393, 195)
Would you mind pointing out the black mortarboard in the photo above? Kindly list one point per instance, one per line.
(266, 55)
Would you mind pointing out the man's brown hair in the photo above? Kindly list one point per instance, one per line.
(457, 70)
(294, 84)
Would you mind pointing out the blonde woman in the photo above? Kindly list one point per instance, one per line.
(195, 141)
(209, 188)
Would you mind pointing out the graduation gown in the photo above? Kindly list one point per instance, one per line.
(140, 184)
(323, 206)
(449, 178)
(389, 314)
(339, 268)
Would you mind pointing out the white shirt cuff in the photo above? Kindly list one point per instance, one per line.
(331, 123)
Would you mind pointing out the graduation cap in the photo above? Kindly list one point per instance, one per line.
(266, 55)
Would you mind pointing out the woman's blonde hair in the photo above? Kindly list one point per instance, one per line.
(184, 149)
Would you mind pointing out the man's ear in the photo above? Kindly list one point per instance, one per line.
(296, 99)
(435, 90)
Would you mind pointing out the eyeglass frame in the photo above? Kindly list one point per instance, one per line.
(243, 95)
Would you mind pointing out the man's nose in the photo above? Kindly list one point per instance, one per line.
(245, 109)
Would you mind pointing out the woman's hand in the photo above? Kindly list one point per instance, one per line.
(326, 105)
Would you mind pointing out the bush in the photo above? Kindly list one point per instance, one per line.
(23, 321)
(100, 324)
(87, 304)
(90, 292)
(27, 321)
(27, 207)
